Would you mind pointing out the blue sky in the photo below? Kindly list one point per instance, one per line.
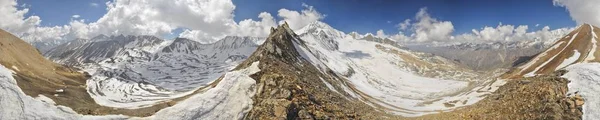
(59, 12)
(372, 15)
(354, 15)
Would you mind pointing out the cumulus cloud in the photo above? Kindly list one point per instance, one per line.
(512, 33)
(582, 11)
(28, 28)
(249, 27)
(404, 25)
(202, 20)
(424, 28)
(150, 17)
(297, 20)
(94, 4)
(381, 34)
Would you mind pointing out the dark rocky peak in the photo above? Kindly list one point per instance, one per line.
(281, 43)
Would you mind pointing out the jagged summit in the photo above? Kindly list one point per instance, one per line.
(579, 46)
(279, 43)
(290, 85)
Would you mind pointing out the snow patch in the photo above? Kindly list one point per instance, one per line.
(329, 85)
(15, 68)
(585, 80)
(594, 43)
(45, 99)
(569, 60)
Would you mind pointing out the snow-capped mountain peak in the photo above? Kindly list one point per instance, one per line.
(321, 28)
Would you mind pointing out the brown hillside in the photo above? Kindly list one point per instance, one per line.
(580, 46)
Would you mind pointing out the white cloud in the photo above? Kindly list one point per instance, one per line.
(148, 17)
(248, 27)
(14, 21)
(381, 34)
(297, 20)
(537, 25)
(202, 20)
(427, 29)
(404, 25)
(510, 33)
(582, 11)
(94, 4)
(208, 20)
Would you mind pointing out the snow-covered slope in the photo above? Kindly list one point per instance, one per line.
(404, 82)
(230, 99)
(585, 80)
(579, 46)
(139, 71)
(81, 51)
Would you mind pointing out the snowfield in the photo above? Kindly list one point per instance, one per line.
(389, 79)
(230, 99)
(585, 80)
(141, 74)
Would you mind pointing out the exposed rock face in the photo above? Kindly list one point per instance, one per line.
(290, 87)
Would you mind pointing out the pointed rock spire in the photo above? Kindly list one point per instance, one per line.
(272, 29)
(285, 25)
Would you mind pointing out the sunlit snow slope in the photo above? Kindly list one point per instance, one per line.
(585, 80)
(382, 74)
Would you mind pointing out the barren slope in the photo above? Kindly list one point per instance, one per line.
(579, 46)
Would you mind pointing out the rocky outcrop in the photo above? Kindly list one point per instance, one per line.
(540, 97)
(290, 87)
